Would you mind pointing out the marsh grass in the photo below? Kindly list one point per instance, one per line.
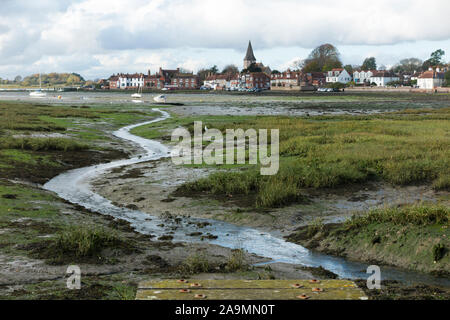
(236, 261)
(401, 148)
(83, 241)
(196, 263)
(421, 215)
(42, 144)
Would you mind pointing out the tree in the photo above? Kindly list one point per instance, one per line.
(230, 69)
(214, 69)
(252, 68)
(349, 69)
(275, 72)
(203, 74)
(323, 58)
(409, 65)
(369, 64)
(18, 79)
(297, 65)
(436, 57)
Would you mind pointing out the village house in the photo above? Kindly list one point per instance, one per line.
(362, 76)
(185, 81)
(430, 79)
(113, 82)
(155, 81)
(258, 80)
(316, 79)
(130, 81)
(218, 81)
(382, 77)
(234, 83)
(287, 79)
(338, 75)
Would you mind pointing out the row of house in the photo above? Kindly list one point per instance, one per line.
(430, 79)
(164, 78)
(257, 76)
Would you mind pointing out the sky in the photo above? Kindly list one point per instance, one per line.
(97, 38)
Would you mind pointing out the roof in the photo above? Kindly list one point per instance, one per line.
(134, 75)
(431, 75)
(250, 56)
(383, 74)
(219, 77)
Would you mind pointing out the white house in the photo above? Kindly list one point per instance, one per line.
(217, 82)
(382, 78)
(362, 76)
(430, 79)
(128, 81)
(338, 75)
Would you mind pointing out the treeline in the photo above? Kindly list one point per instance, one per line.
(327, 57)
(48, 80)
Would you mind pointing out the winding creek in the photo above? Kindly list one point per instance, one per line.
(74, 186)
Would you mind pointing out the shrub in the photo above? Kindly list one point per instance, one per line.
(196, 263)
(236, 261)
(223, 183)
(84, 241)
(277, 193)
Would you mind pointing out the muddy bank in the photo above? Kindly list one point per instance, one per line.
(422, 248)
(29, 271)
(152, 187)
(50, 164)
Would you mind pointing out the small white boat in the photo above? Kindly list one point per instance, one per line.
(160, 99)
(38, 93)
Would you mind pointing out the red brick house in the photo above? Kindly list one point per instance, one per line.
(285, 79)
(113, 82)
(258, 80)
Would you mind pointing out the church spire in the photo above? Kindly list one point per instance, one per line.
(249, 57)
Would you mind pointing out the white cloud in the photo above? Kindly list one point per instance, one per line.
(100, 36)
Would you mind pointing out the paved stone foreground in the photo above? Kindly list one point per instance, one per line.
(249, 290)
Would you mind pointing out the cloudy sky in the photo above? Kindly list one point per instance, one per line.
(99, 37)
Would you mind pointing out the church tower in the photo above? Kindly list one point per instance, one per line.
(249, 57)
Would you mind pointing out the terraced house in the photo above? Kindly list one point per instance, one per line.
(362, 76)
(164, 78)
(258, 80)
(287, 79)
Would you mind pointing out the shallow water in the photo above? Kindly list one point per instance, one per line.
(75, 187)
(226, 104)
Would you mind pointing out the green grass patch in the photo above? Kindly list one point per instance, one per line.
(42, 144)
(416, 214)
(83, 241)
(402, 148)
